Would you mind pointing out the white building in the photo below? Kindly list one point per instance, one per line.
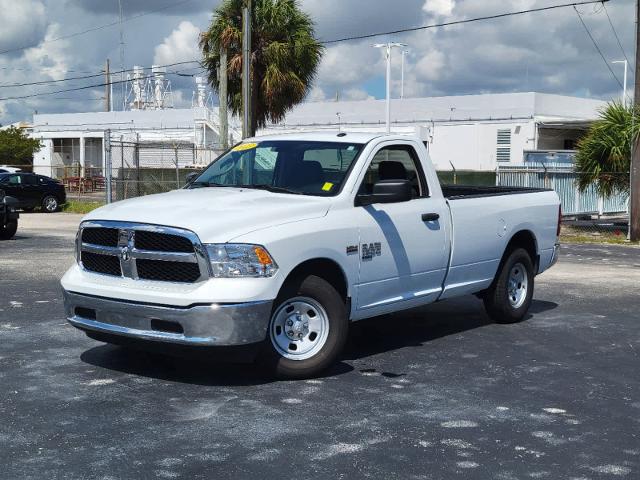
(72, 140)
(470, 132)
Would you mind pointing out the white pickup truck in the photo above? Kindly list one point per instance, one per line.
(284, 240)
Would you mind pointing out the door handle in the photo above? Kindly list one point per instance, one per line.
(430, 217)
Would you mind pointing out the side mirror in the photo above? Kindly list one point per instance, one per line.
(191, 177)
(386, 191)
(9, 201)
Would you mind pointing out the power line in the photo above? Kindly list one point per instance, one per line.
(615, 33)
(459, 22)
(75, 89)
(68, 79)
(595, 44)
(96, 28)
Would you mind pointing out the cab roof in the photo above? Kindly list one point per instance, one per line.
(325, 136)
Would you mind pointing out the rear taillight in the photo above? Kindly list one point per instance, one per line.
(559, 220)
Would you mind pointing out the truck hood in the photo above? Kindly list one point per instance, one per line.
(216, 215)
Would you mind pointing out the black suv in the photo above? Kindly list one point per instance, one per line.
(8, 216)
(33, 191)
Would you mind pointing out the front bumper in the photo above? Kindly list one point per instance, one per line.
(197, 325)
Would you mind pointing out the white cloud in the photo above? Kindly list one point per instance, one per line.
(439, 7)
(356, 94)
(430, 66)
(52, 59)
(23, 23)
(180, 46)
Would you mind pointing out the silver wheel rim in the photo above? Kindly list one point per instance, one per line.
(518, 285)
(299, 328)
(51, 204)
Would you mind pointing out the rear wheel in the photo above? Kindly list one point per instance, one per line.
(308, 328)
(9, 230)
(49, 204)
(509, 297)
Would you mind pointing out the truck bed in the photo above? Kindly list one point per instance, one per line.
(457, 192)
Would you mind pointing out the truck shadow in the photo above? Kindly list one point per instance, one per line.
(419, 326)
(412, 328)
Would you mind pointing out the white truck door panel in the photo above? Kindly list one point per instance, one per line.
(411, 261)
(403, 258)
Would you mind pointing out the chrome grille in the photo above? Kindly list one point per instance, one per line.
(162, 242)
(106, 264)
(140, 251)
(107, 237)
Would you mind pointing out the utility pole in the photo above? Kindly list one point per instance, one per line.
(122, 84)
(246, 70)
(222, 94)
(634, 176)
(107, 88)
(388, 47)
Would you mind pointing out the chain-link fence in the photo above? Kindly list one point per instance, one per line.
(586, 214)
(144, 168)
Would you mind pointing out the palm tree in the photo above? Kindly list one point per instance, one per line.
(284, 56)
(604, 153)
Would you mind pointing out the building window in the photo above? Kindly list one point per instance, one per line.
(503, 149)
(569, 144)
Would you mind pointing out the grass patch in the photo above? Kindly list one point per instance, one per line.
(74, 206)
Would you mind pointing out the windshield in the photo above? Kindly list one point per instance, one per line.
(285, 166)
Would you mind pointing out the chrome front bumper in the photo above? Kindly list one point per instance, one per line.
(199, 325)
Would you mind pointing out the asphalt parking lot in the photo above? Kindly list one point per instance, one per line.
(435, 393)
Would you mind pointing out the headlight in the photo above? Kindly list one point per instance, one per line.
(229, 260)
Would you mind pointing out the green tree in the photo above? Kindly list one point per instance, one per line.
(16, 148)
(284, 56)
(603, 158)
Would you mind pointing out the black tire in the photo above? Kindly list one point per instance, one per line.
(324, 294)
(50, 204)
(9, 230)
(500, 304)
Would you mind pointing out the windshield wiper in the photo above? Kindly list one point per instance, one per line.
(271, 188)
(211, 184)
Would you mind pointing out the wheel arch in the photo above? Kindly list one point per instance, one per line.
(325, 268)
(524, 239)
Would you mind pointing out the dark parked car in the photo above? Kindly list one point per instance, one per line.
(33, 191)
(8, 216)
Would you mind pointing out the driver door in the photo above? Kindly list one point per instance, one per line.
(403, 258)
(13, 187)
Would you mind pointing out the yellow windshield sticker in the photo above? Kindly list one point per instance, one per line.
(244, 146)
(327, 186)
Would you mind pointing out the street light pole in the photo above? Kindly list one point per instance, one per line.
(388, 46)
(404, 52)
(624, 88)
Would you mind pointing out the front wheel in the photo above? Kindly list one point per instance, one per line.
(49, 204)
(509, 297)
(9, 230)
(308, 328)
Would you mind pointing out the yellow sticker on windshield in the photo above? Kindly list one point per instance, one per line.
(327, 186)
(244, 146)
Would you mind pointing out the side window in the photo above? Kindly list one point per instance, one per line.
(29, 180)
(398, 162)
(15, 180)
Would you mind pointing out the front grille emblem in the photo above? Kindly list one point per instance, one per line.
(124, 254)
